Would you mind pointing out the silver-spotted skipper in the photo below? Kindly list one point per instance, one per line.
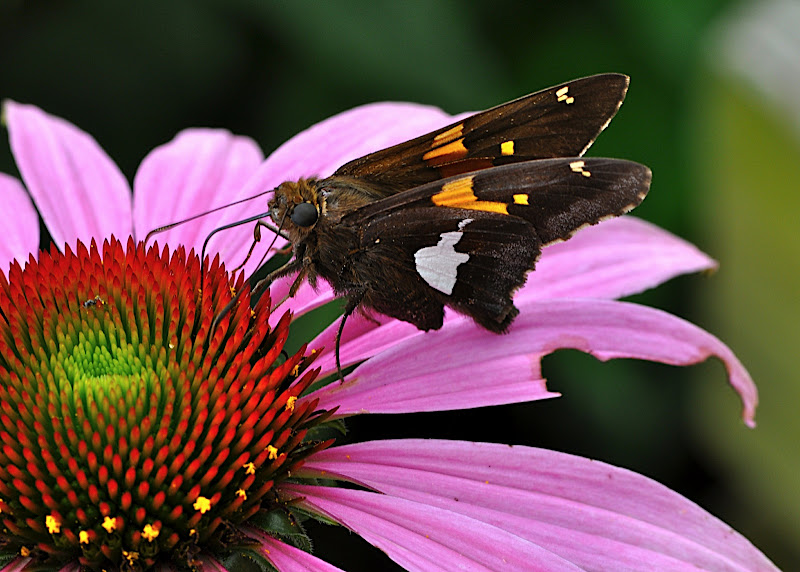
(459, 216)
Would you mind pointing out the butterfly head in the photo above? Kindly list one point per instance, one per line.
(296, 207)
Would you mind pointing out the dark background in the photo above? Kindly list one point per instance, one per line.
(133, 74)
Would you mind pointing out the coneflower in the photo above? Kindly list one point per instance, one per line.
(134, 437)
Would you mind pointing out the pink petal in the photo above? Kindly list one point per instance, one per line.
(613, 259)
(19, 221)
(287, 558)
(362, 338)
(80, 192)
(198, 170)
(421, 537)
(462, 366)
(595, 515)
(18, 564)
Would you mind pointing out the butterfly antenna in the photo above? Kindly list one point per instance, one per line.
(171, 225)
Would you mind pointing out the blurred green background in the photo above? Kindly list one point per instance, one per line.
(714, 110)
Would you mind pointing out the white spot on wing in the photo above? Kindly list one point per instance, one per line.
(438, 265)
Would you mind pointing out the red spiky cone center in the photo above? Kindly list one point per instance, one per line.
(128, 435)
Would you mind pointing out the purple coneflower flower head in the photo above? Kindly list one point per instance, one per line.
(132, 436)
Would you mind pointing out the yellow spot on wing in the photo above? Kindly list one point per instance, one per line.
(446, 153)
(577, 167)
(507, 147)
(458, 194)
(521, 199)
(561, 94)
(449, 135)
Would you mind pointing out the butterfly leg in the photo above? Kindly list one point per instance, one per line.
(352, 304)
(298, 281)
(256, 240)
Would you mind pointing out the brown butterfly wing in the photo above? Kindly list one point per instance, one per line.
(562, 121)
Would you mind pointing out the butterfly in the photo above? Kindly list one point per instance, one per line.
(458, 217)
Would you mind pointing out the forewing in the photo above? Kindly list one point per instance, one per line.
(561, 121)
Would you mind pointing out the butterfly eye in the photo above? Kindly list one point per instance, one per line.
(305, 215)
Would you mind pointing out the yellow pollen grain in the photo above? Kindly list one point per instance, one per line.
(290, 403)
(52, 524)
(449, 135)
(446, 153)
(110, 524)
(250, 469)
(233, 290)
(83, 537)
(202, 504)
(295, 370)
(24, 552)
(507, 148)
(150, 532)
(458, 194)
(241, 493)
(273, 452)
(131, 557)
(521, 199)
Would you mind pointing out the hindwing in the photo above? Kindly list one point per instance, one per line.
(469, 241)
